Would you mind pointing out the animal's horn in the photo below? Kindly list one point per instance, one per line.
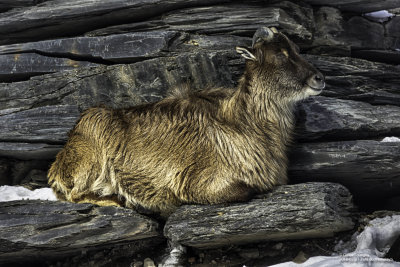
(263, 34)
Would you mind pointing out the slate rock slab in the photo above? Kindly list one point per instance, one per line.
(16, 67)
(355, 79)
(370, 169)
(302, 211)
(39, 230)
(113, 48)
(324, 118)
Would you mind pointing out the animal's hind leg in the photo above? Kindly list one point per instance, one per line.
(92, 198)
(75, 171)
(139, 190)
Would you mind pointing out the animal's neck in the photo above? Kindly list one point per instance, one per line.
(254, 105)
(264, 127)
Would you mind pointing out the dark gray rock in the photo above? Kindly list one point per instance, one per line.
(115, 48)
(357, 79)
(329, 24)
(243, 19)
(9, 4)
(336, 34)
(198, 42)
(394, 251)
(30, 173)
(42, 124)
(27, 151)
(40, 231)
(366, 34)
(59, 18)
(16, 67)
(385, 56)
(393, 28)
(116, 86)
(358, 6)
(5, 172)
(334, 119)
(370, 169)
(302, 211)
(21, 61)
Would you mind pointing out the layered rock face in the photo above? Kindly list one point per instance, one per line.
(58, 58)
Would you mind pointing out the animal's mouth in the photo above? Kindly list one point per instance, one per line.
(317, 89)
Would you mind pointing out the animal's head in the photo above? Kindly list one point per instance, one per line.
(274, 60)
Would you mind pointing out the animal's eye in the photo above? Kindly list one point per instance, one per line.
(285, 52)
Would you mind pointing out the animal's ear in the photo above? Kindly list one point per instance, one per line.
(244, 52)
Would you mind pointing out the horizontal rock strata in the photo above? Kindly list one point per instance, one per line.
(60, 18)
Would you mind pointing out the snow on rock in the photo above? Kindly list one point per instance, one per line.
(10, 193)
(372, 244)
(391, 139)
(379, 16)
(379, 235)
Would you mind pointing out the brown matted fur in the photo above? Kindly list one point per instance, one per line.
(212, 146)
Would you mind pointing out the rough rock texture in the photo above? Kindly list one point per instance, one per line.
(357, 79)
(243, 19)
(311, 210)
(342, 35)
(15, 67)
(359, 6)
(370, 169)
(334, 119)
(43, 231)
(60, 18)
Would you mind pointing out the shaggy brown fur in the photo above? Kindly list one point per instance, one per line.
(213, 146)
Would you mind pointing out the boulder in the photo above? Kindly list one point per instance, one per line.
(302, 211)
(42, 231)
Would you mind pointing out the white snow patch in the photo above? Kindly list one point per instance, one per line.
(391, 139)
(380, 16)
(372, 244)
(10, 193)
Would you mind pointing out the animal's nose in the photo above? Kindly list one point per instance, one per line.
(317, 81)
